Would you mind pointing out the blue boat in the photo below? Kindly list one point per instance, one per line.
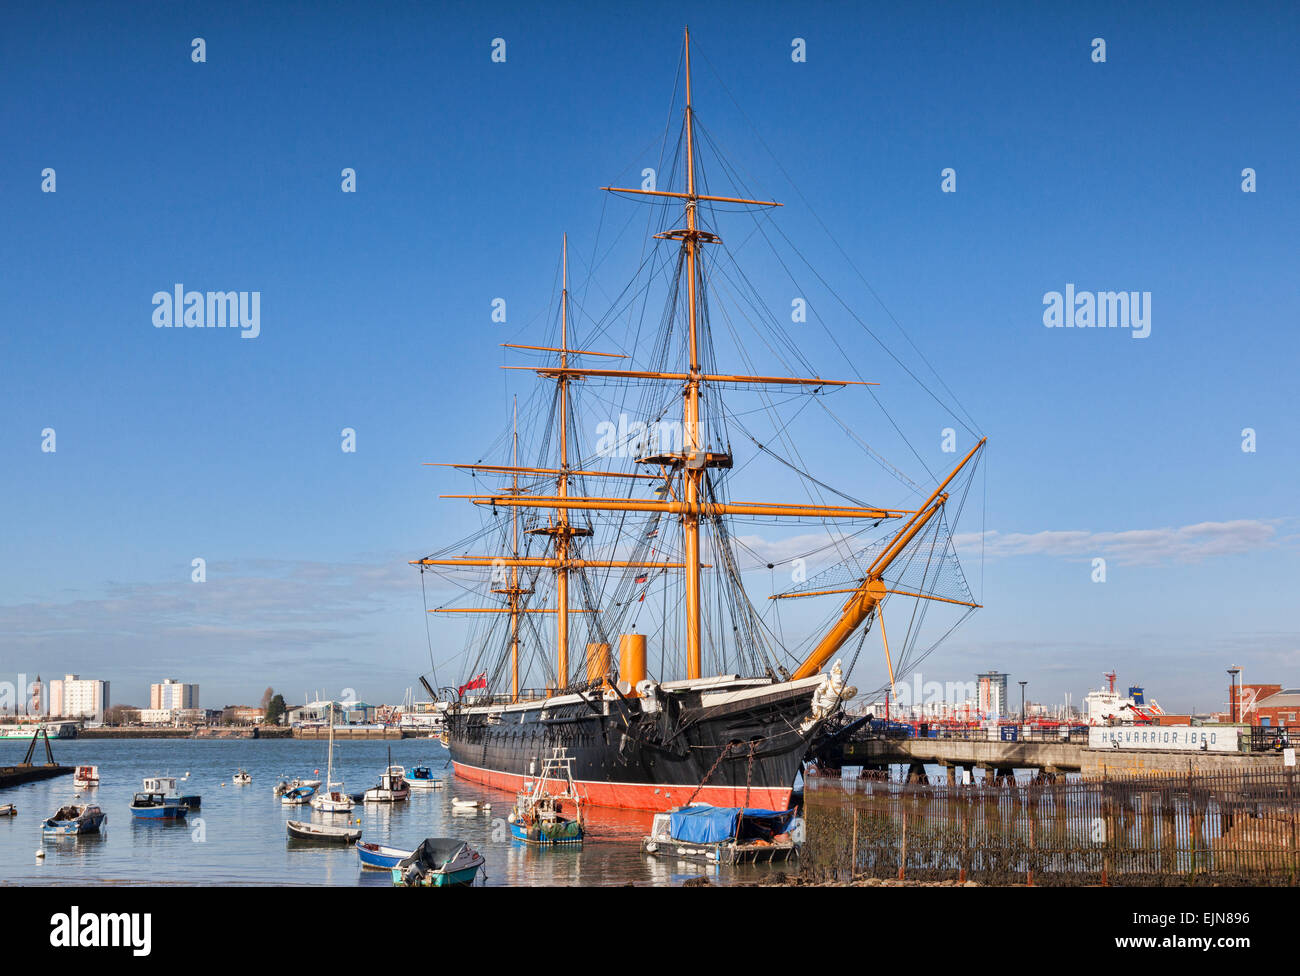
(298, 796)
(725, 835)
(158, 806)
(422, 778)
(167, 785)
(378, 856)
(72, 820)
(439, 862)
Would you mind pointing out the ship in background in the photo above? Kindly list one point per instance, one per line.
(1106, 706)
(582, 553)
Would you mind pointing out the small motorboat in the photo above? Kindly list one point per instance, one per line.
(422, 778)
(241, 778)
(74, 819)
(157, 806)
(167, 786)
(468, 806)
(725, 835)
(304, 830)
(378, 856)
(298, 796)
(8, 810)
(285, 785)
(391, 788)
(85, 777)
(439, 862)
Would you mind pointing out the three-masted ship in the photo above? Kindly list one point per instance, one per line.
(580, 539)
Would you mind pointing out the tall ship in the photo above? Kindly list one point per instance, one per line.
(613, 623)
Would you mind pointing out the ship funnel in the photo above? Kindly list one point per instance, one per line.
(631, 662)
(597, 663)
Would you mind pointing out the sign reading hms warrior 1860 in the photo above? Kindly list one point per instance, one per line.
(1182, 738)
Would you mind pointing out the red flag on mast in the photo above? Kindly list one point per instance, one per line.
(474, 684)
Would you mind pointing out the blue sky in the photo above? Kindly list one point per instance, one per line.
(177, 444)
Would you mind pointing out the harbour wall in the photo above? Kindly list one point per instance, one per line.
(1120, 762)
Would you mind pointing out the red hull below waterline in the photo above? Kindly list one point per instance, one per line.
(640, 796)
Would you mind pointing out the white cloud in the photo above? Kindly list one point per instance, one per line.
(295, 615)
(1133, 547)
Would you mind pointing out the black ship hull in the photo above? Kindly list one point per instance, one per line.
(729, 746)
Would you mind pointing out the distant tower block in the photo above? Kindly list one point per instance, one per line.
(36, 697)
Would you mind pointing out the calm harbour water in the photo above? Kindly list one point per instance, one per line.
(238, 836)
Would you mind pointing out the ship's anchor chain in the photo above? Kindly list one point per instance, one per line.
(749, 772)
(726, 750)
(718, 762)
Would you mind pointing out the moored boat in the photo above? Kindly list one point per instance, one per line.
(379, 856)
(422, 778)
(724, 835)
(85, 777)
(167, 785)
(332, 799)
(285, 785)
(241, 778)
(544, 815)
(305, 830)
(468, 806)
(439, 862)
(298, 796)
(8, 810)
(74, 819)
(157, 806)
(392, 786)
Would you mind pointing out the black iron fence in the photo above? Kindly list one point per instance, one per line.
(1217, 828)
(1272, 738)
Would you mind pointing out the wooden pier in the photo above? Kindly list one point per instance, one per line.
(27, 771)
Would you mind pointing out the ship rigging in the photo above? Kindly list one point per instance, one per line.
(577, 540)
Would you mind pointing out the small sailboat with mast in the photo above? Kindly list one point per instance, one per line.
(332, 799)
(583, 540)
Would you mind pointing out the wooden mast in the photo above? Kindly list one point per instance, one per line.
(693, 462)
(514, 544)
(562, 489)
(693, 472)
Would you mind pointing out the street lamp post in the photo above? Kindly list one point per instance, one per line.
(1234, 694)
